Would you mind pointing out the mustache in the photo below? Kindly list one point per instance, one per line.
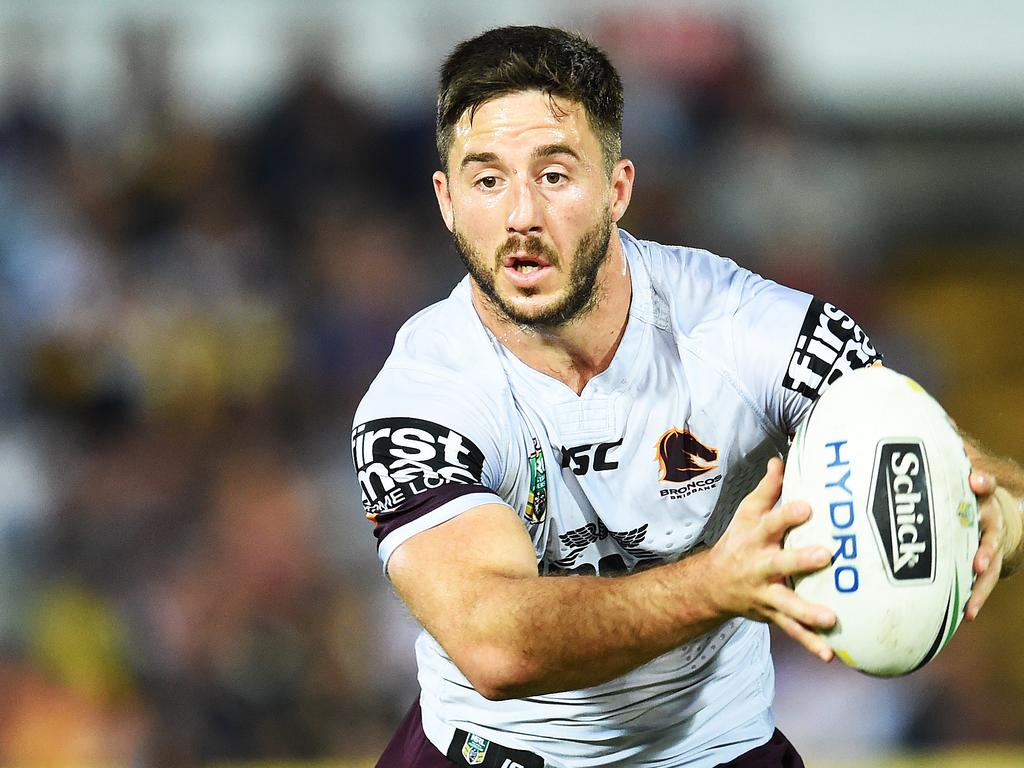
(531, 245)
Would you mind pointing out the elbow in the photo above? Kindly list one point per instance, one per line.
(494, 690)
(499, 673)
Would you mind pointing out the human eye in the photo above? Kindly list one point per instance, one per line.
(486, 182)
(554, 177)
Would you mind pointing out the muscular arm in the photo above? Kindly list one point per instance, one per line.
(472, 582)
(999, 485)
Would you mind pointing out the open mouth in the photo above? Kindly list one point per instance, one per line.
(524, 264)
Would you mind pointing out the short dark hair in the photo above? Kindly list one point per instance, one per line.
(512, 59)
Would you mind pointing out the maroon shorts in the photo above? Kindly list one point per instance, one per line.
(409, 748)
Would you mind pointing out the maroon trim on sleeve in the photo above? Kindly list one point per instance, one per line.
(419, 505)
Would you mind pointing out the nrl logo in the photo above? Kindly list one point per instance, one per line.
(537, 500)
(475, 749)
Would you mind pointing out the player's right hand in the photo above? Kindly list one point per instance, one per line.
(750, 567)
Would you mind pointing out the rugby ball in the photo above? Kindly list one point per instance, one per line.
(886, 475)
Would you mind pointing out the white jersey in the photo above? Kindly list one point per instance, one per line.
(714, 370)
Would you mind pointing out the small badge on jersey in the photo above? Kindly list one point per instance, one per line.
(468, 749)
(830, 344)
(682, 457)
(686, 462)
(537, 500)
(475, 749)
(398, 458)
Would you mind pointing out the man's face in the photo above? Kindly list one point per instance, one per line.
(530, 206)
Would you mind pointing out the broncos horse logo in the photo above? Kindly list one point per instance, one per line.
(683, 457)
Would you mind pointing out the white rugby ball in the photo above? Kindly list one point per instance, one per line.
(886, 476)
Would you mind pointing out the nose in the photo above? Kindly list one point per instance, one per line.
(524, 215)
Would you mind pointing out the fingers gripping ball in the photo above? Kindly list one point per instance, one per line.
(886, 476)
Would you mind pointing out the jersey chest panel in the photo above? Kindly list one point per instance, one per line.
(633, 476)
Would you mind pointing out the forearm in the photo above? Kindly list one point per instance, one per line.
(555, 633)
(1009, 476)
(1013, 521)
(1007, 472)
(472, 583)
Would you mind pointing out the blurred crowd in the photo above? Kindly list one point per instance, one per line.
(188, 316)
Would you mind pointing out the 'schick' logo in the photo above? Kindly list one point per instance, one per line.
(683, 457)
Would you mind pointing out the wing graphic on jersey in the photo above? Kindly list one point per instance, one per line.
(585, 536)
(631, 540)
(579, 539)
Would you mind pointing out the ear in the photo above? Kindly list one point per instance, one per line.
(444, 199)
(621, 188)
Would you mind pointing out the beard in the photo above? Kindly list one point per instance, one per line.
(580, 294)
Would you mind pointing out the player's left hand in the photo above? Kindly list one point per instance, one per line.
(988, 562)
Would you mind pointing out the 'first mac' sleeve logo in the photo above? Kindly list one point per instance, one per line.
(398, 458)
(830, 344)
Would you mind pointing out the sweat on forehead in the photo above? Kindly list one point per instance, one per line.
(536, 130)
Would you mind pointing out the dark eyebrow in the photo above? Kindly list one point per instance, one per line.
(555, 149)
(478, 157)
(548, 150)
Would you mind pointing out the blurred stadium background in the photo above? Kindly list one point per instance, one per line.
(214, 216)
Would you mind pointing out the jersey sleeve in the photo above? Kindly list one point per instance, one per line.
(791, 346)
(425, 450)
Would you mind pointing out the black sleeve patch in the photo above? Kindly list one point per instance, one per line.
(417, 506)
(397, 459)
(830, 344)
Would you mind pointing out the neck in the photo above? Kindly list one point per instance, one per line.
(579, 350)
